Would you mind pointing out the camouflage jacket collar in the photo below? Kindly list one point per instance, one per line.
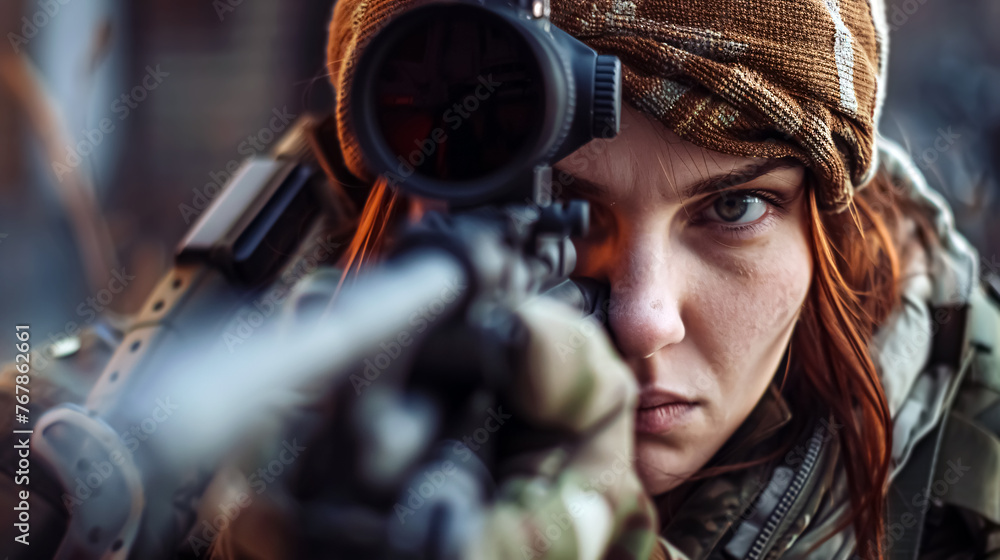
(709, 508)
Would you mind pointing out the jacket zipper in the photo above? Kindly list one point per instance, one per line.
(788, 498)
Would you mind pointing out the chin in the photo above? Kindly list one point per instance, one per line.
(661, 468)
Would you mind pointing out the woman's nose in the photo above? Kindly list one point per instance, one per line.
(644, 315)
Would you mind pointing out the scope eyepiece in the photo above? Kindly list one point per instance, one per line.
(473, 102)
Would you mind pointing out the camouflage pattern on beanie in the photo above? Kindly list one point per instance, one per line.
(798, 78)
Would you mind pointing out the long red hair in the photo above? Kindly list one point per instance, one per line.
(854, 288)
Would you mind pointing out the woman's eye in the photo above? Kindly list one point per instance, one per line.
(736, 209)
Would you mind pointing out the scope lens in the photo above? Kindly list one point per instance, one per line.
(459, 95)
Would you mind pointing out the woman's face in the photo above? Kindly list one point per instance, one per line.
(707, 258)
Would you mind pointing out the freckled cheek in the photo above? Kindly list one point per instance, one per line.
(743, 310)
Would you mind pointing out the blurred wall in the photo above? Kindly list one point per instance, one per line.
(944, 92)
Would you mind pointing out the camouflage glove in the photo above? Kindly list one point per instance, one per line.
(580, 499)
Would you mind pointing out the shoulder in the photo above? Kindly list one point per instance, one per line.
(972, 427)
(963, 496)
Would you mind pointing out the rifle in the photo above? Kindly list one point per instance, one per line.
(503, 241)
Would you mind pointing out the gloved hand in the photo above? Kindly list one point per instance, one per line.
(579, 498)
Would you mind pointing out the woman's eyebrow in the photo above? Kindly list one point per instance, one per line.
(736, 177)
(721, 181)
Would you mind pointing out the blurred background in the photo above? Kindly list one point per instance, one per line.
(147, 106)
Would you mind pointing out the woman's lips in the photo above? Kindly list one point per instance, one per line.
(660, 412)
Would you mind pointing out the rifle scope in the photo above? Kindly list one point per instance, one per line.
(471, 102)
